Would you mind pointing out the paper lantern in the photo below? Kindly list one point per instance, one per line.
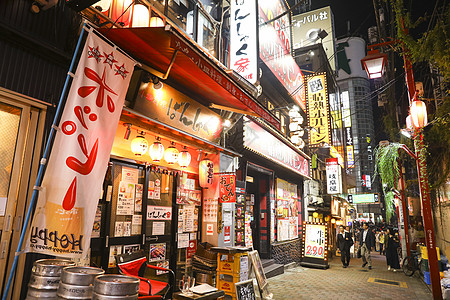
(184, 159)
(374, 63)
(118, 8)
(171, 155)
(206, 173)
(139, 145)
(141, 16)
(315, 215)
(333, 221)
(418, 112)
(156, 22)
(327, 218)
(156, 151)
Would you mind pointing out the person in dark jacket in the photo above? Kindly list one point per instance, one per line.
(344, 241)
(391, 251)
(366, 242)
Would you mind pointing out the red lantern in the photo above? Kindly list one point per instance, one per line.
(118, 8)
(184, 159)
(156, 151)
(206, 173)
(418, 111)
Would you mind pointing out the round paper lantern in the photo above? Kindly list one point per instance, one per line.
(184, 159)
(315, 215)
(418, 112)
(206, 173)
(156, 151)
(141, 16)
(171, 155)
(327, 218)
(156, 22)
(139, 145)
(333, 221)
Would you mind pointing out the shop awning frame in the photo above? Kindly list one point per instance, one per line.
(130, 112)
(172, 54)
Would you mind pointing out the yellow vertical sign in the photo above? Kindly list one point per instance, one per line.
(318, 110)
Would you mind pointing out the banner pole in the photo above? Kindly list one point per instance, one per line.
(42, 165)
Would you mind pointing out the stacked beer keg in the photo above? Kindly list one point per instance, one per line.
(76, 282)
(109, 287)
(45, 277)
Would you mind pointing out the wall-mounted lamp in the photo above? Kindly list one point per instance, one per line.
(127, 131)
(157, 84)
(227, 123)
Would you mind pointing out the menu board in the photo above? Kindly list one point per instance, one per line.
(239, 214)
(125, 200)
(247, 290)
(315, 236)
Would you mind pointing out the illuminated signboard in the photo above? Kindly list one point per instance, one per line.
(266, 144)
(333, 176)
(315, 241)
(171, 107)
(318, 110)
(275, 48)
(334, 153)
(243, 46)
(350, 157)
(346, 113)
(365, 198)
(306, 28)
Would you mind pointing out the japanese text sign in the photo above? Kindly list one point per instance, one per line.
(318, 110)
(171, 107)
(333, 176)
(243, 45)
(67, 203)
(227, 188)
(275, 48)
(315, 245)
(159, 212)
(267, 145)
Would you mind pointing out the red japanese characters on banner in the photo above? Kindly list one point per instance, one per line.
(227, 188)
(71, 186)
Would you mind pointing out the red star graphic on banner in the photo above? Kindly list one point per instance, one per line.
(95, 53)
(121, 71)
(109, 59)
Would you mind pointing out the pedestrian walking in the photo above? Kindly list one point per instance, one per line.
(344, 241)
(382, 242)
(392, 244)
(367, 242)
(377, 241)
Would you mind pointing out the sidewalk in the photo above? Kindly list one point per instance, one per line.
(353, 282)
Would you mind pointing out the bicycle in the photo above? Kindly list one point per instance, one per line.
(412, 263)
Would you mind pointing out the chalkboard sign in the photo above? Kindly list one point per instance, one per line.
(247, 290)
(257, 267)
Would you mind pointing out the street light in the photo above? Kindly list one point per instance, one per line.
(374, 63)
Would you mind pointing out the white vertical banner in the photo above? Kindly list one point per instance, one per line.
(333, 178)
(243, 37)
(67, 202)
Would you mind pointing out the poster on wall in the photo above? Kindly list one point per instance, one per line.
(315, 241)
(162, 264)
(130, 175)
(97, 222)
(248, 230)
(125, 199)
(138, 198)
(187, 194)
(157, 252)
(210, 207)
(159, 212)
(113, 251)
(227, 188)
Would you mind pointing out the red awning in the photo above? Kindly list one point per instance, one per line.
(192, 69)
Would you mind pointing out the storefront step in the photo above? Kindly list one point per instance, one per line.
(272, 269)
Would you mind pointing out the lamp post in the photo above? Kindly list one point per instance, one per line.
(419, 120)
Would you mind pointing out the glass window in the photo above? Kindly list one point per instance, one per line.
(182, 13)
(206, 33)
(9, 126)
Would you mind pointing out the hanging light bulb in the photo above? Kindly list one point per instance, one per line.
(156, 150)
(171, 154)
(139, 145)
(184, 159)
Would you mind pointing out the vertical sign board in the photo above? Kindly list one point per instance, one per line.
(318, 110)
(275, 48)
(306, 28)
(243, 36)
(333, 179)
(67, 203)
(347, 120)
(227, 188)
(315, 244)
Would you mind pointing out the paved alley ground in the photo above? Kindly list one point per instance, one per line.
(353, 282)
